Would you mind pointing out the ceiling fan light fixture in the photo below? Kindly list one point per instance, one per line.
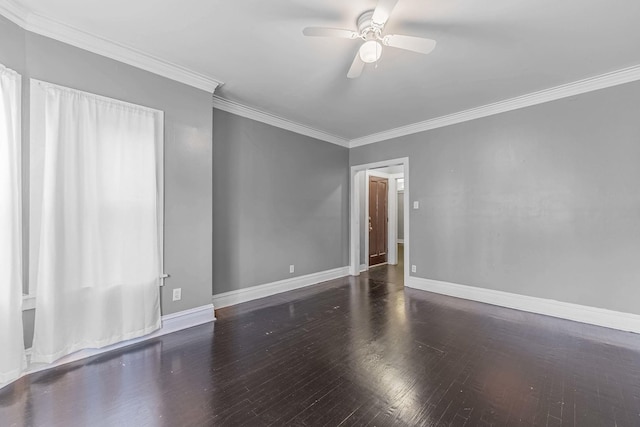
(370, 51)
(371, 33)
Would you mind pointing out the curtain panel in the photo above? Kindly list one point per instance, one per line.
(12, 355)
(99, 251)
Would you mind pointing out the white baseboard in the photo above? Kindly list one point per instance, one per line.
(564, 310)
(227, 299)
(401, 241)
(363, 267)
(170, 323)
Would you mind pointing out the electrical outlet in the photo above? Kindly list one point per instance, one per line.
(292, 268)
(177, 294)
(416, 205)
(413, 268)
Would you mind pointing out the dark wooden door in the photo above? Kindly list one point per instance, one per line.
(378, 220)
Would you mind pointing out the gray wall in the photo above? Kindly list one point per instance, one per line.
(280, 199)
(13, 52)
(188, 149)
(541, 201)
(401, 215)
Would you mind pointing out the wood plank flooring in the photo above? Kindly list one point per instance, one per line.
(351, 352)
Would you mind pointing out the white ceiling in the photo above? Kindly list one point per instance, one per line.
(487, 51)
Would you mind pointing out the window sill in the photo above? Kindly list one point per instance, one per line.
(28, 302)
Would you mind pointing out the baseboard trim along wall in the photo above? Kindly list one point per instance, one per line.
(564, 310)
(170, 323)
(363, 267)
(227, 299)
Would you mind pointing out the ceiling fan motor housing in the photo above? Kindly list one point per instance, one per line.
(367, 28)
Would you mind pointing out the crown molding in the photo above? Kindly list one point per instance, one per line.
(625, 75)
(603, 81)
(270, 119)
(51, 28)
(14, 12)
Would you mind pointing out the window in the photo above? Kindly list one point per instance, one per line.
(95, 221)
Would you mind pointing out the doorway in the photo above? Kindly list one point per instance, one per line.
(378, 220)
(360, 237)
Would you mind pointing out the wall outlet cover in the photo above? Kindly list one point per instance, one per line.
(292, 268)
(413, 268)
(177, 294)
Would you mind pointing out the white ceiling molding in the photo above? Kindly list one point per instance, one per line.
(14, 12)
(270, 119)
(625, 75)
(603, 81)
(44, 26)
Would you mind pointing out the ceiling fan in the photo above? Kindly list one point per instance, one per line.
(370, 28)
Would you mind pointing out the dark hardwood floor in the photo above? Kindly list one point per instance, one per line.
(353, 351)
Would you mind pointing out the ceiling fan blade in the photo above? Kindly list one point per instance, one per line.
(356, 67)
(415, 44)
(383, 11)
(329, 32)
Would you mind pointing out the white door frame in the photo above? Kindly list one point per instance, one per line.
(358, 172)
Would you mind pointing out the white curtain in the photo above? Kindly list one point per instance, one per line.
(12, 358)
(99, 252)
